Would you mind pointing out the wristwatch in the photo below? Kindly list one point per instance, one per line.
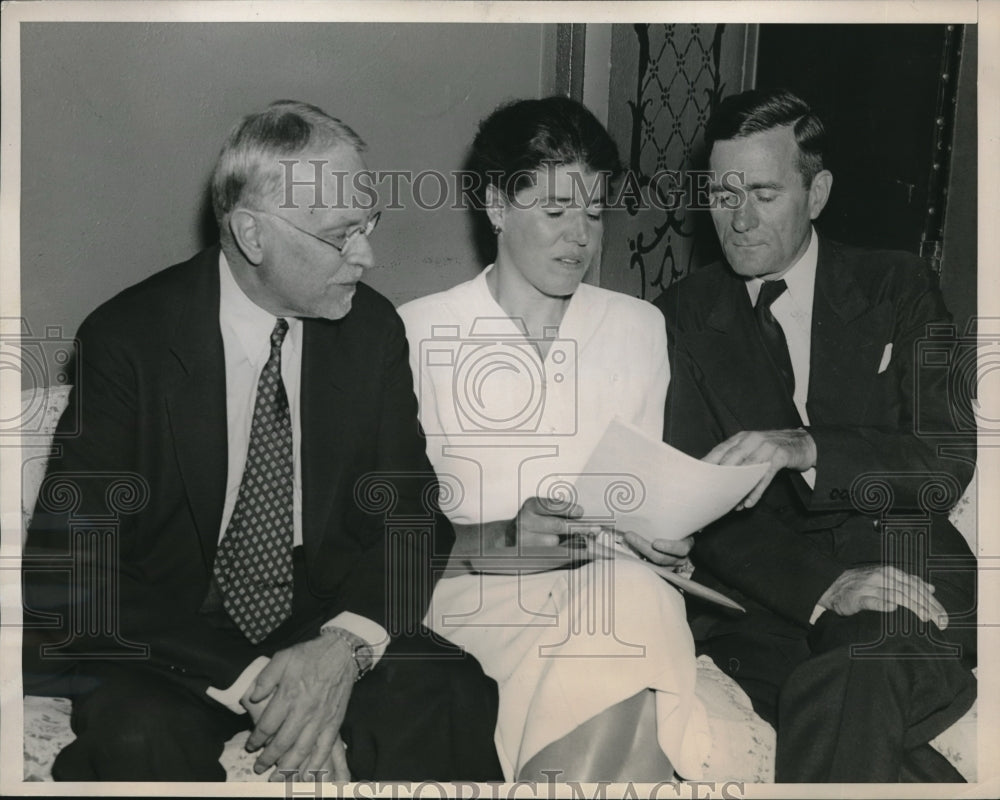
(361, 651)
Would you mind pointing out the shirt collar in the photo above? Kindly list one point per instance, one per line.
(250, 324)
(800, 278)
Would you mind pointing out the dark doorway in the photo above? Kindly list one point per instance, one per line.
(888, 94)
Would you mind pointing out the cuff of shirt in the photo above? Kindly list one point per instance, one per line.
(375, 636)
(230, 697)
(817, 612)
(809, 476)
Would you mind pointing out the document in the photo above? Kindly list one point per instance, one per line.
(633, 483)
(642, 485)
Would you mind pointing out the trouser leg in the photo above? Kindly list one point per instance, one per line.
(876, 689)
(426, 712)
(133, 723)
(758, 650)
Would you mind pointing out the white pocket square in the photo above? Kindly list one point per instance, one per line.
(886, 358)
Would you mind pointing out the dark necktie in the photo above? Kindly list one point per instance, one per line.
(253, 566)
(771, 333)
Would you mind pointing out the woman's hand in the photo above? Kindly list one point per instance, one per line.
(545, 523)
(539, 523)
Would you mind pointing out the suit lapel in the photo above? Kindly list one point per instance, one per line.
(848, 335)
(733, 360)
(196, 403)
(327, 431)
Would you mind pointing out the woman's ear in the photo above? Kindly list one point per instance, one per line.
(246, 231)
(495, 207)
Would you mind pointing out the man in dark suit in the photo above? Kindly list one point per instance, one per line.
(274, 544)
(802, 352)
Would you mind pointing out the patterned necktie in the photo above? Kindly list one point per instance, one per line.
(771, 333)
(253, 566)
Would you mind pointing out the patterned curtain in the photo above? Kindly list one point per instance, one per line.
(666, 79)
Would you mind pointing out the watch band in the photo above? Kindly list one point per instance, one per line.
(361, 651)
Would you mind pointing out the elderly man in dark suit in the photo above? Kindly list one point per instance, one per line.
(261, 395)
(802, 352)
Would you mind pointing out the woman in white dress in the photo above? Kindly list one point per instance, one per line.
(518, 373)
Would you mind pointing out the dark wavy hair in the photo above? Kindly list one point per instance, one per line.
(757, 111)
(520, 137)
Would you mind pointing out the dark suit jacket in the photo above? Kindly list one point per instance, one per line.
(151, 400)
(862, 420)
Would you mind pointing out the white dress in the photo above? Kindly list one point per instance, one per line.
(503, 426)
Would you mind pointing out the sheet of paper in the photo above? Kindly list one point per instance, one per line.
(638, 484)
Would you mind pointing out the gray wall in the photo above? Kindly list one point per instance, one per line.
(121, 123)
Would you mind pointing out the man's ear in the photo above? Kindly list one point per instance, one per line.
(246, 231)
(819, 192)
(495, 206)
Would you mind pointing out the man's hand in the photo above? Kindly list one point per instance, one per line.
(331, 767)
(307, 688)
(785, 449)
(880, 588)
(255, 710)
(665, 552)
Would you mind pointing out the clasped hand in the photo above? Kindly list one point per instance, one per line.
(784, 449)
(548, 523)
(883, 588)
(297, 704)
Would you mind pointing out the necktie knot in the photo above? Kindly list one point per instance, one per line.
(278, 334)
(769, 292)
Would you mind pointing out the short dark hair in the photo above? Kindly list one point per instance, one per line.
(247, 168)
(757, 111)
(520, 137)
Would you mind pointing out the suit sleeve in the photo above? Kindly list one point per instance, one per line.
(94, 475)
(392, 581)
(921, 435)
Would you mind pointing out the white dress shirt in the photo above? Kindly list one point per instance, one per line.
(246, 331)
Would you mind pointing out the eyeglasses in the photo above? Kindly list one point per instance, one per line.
(345, 240)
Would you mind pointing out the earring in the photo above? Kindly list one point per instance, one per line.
(497, 230)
